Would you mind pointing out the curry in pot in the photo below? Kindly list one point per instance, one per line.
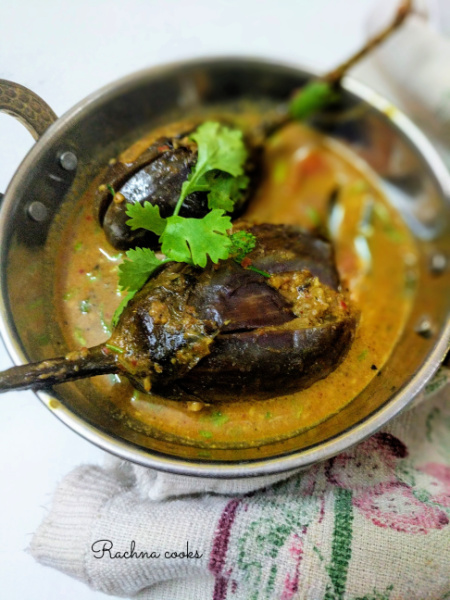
(309, 182)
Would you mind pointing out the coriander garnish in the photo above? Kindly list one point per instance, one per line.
(219, 170)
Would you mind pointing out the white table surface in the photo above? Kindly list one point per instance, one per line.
(63, 51)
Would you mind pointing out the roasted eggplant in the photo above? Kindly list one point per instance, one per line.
(225, 331)
(153, 170)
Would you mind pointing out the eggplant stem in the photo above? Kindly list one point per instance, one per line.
(86, 362)
(334, 77)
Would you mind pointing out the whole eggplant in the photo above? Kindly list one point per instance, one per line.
(153, 170)
(264, 348)
(225, 331)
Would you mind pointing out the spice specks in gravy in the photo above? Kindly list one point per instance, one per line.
(376, 259)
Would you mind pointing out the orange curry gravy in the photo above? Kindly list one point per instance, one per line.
(376, 259)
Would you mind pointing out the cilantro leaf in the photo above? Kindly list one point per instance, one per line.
(242, 242)
(135, 271)
(219, 171)
(225, 190)
(145, 216)
(311, 98)
(193, 240)
(219, 148)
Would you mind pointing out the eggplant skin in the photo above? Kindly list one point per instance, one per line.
(156, 175)
(236, 299)
(155, 146)
(159, 183)
(159, 331)
(264, 363)
(251, 359)
(284, 248)
(226, 332)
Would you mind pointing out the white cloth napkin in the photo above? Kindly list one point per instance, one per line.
(372, 523)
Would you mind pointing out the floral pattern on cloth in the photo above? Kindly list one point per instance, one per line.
(372, 523)
(388, 489)
(392, 489)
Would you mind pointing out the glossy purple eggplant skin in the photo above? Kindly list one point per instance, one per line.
(156, 176)
(223, 332)
(283, 248)
(256, 348)
(287, 360)
(159, 182)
